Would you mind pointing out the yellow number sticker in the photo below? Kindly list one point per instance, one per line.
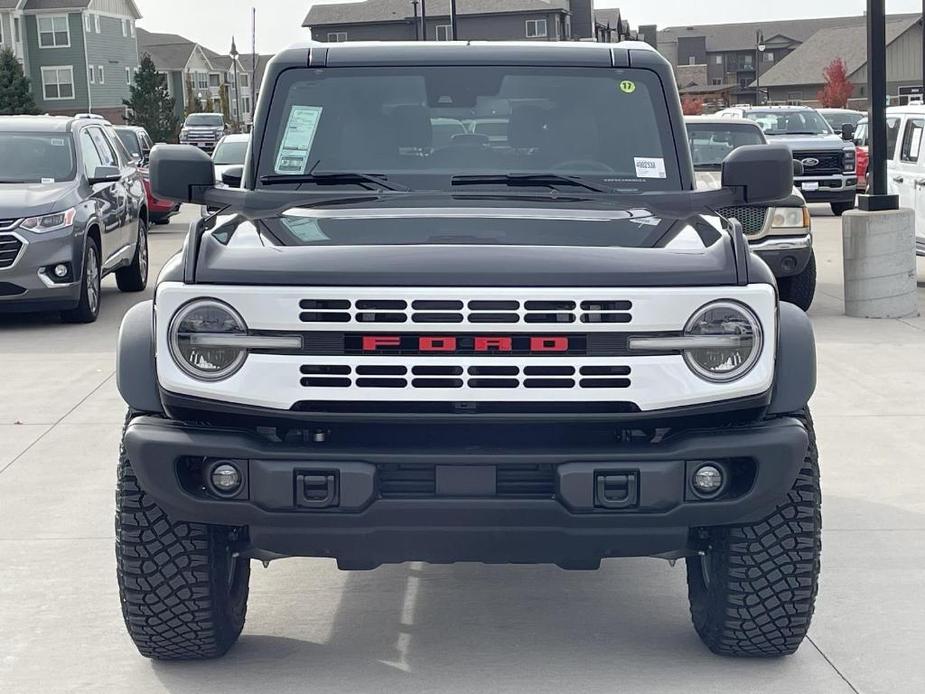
(627, 87)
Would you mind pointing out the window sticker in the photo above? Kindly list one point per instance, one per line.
(627, 86)
(650, 167)
(297, 140)
(305, 229)
(57, 142)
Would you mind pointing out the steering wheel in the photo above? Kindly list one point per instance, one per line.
(584, 164)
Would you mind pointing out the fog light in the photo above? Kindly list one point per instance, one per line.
(708, 480)
(60, 271)
(225, 478)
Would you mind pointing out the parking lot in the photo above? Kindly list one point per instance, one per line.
(466, 628)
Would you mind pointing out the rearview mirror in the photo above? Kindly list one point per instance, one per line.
(847, 132)
(106, 174)
(232, 177)
(759, 173)
(181, 173)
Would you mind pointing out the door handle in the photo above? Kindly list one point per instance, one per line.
(898, 179)
(920, 183)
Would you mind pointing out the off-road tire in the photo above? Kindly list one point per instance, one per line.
(88, 306)
(800, 289)
(134, 277)
(753, 592)
(181, 599)
(839, 208)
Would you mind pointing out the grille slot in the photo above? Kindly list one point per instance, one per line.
(605, 383)
(494, 305)
(753, 219)
(549, 371)
(437, 318)
(407, 481)
(437, 383)
(326, 369)
(10, 248)
(536, 481)
(605, 371)
(549, 383)
(416, 481)
(366, 370)
(437, 305)
(317, 317)
(322, 382)
(437, 371)
(324, 304)
(606, 318)
(494, 318)
(381, 305)
(382, 317)
(382, 383)
(496, 383)
(494, 371)
(550, 318)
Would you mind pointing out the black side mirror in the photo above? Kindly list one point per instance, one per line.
(232, 177)
(847, 132)
(181, 173)
(797, 167)
(106, 174)
(759, 173)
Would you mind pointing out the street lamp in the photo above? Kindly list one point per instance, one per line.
(760, 48)
(237, 94)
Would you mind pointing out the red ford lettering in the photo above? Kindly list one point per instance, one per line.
(549, 344)
(494, 344)
(437, 344)
(373, 342)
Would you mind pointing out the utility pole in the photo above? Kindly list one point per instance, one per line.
(423, 20)
(253, 63)
(453, 19)
(760, 48)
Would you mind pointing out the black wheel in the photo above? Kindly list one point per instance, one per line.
(88, 308)
(753, 591)
(839, 208)
(183, 589)
(134, 277)
(800, 289)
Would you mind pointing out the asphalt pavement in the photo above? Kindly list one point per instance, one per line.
(463, 628)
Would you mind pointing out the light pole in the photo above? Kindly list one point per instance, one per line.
(453, 19)
(237, 94)
(760, 48)
(878, 199)
(417, 25)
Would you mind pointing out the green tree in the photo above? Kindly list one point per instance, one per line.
(193, 104)
(150, 105)
(15, 95)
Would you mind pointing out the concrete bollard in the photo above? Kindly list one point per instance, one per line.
(879, 257)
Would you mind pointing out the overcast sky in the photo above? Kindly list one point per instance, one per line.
(279, 22)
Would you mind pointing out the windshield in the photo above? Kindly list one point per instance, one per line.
(230, 153)
(790, 122)
(860, 135)
(839, 118)
(423, 126)
(711, 143)
(207, 120)
(129, 141)
(36, 157)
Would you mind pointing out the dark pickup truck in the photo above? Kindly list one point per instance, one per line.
(546, 349)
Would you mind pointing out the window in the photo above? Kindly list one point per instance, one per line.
(692, 60)
(54, 32)
(106, 152)
(96, 23)
(91, 74)
(716, 82)
(748, 58)
(128, 75)
(912, 141)
(444, 32)
(1, 33)
(215, 79)
(718, 59)
(91, 158)
(337, 36)
(100, 74)
(131, 25)
(201, 80)
(769, 57)
(17, 37)
(58, 83)
(246, 104)
(892, 136)
(244, 79)
(536, 28)
(124, 27)
(88, 22)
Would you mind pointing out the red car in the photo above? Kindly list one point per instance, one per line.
(138, 143)
(863, 153)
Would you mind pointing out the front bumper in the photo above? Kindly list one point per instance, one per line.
(785, 255)
(828, 188)
(471, 515)
(26, 286)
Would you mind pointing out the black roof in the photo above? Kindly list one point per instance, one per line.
(393, 53)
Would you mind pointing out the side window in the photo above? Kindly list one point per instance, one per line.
(91, 158)
(912, 140)
(106, 152)
(892, 136)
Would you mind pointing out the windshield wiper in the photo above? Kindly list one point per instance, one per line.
(15, 180)
(514, 179)
(334, 178)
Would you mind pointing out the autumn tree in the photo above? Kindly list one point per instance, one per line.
(692, 106)
(15, 95)
(837, 89)
(150, 104)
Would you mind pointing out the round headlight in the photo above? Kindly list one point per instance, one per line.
(738, 345)
(189, 344)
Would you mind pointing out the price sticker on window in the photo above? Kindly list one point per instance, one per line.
(292, 157)
(650, 167)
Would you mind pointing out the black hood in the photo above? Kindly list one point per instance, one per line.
(468, 247)
(18, 200)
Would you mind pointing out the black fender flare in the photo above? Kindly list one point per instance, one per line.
(795, 372)
(136, 368)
